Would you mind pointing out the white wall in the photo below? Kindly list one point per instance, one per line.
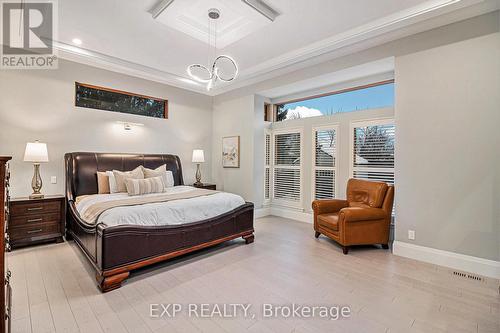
(447, 147)
(259, 151)
(243, 116)
(231, 118)
(343, 120)
(39, 104)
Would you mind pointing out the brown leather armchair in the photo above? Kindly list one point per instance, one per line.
(364, 218)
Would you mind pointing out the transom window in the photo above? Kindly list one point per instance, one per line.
(373, 96)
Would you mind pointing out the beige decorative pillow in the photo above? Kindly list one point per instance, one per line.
(144, 186)
(162, 172)
(121, 176)
(102, 183)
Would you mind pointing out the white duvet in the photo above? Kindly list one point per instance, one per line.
(163, 213)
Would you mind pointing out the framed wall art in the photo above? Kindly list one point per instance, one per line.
(231, 152)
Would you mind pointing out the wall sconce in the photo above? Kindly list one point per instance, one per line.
(127, 126)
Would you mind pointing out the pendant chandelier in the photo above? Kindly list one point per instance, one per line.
(223, 68)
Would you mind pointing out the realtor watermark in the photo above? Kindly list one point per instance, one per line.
(242, 310)
(28, 31)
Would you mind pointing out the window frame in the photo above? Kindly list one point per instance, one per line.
(280, 202)
(268, 166)
(330, 126)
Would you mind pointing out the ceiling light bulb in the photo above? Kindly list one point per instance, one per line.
(77, 41)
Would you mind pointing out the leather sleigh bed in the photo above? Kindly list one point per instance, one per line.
(116, 250)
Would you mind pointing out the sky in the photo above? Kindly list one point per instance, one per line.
(369, 98)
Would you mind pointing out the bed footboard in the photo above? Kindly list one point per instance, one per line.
(121, 249)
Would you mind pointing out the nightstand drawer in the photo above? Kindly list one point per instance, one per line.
(35, 208)
(29, 220)
(34, 231)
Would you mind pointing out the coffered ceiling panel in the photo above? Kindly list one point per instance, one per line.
(236, 20)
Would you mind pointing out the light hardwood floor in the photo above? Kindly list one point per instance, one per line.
(54, 289)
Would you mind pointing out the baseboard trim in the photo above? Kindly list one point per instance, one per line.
(485, 267)
(284, 212)
(292, 214)
(261, 212)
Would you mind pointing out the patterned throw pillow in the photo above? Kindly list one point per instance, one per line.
(145, 186)
(161, 171)
(121, 176)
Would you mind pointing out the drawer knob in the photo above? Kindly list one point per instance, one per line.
(34, 208)
(34, 231)
(36, 220)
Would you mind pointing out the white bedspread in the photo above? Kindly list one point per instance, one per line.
(163, 213)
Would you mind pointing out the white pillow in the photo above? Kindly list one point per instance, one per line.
(170, 179)
(113, 188)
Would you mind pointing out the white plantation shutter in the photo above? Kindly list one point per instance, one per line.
(287, 167)
(373, 151)
(324, 162)
(267, 169)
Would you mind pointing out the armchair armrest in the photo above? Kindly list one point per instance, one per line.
(352, 214)
(328, 206)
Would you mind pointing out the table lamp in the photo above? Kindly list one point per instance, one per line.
(36, 152)
(198, 157)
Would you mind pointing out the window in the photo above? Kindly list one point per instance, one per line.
(287, 167)
(93, 97)
(373, 150)
(324, 162)
(267, 169)
(373, 96)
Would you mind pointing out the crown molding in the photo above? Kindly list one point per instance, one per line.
(385, 29)
(290, 61)
(104, 61)
(358, 34)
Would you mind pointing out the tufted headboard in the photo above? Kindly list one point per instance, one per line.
(81, 168)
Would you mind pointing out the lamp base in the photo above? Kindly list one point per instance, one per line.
(198, 176)
(36, 183)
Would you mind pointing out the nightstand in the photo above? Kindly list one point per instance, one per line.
(36, 220)
(206, 186)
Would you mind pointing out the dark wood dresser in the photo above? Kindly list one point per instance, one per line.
(36, 220)
(6, 291)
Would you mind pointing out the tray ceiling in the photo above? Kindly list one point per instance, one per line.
(123, 36)
(237, 20)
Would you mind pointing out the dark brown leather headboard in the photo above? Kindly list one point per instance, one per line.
(81, 168)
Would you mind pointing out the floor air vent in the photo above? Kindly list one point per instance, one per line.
(468, 276)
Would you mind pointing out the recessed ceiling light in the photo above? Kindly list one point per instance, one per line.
(77, 41)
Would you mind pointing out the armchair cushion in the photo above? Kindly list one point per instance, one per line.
(352, 214)
(329, 221)
(366, 192)
(328, 206)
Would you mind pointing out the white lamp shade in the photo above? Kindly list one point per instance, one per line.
(36, 152)
(198, 156)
